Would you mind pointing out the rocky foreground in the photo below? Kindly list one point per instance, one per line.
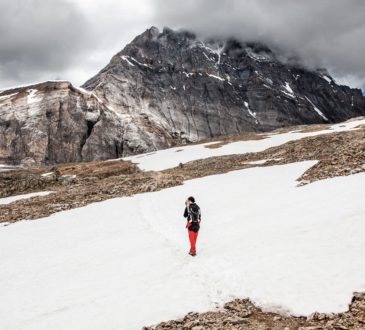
(242, 314)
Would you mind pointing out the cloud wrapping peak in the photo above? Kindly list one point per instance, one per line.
(323, 33)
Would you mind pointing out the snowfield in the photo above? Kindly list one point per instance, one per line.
(8, 200)
(123, 263)
(171, 157)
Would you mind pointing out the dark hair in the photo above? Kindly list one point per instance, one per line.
(191, 199)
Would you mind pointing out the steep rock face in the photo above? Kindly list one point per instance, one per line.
(196, 89)
(53, 122)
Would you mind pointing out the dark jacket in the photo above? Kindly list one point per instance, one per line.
(192, 224)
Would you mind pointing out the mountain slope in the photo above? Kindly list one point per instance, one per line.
(54, 122)
(197, 89)
(164, 89)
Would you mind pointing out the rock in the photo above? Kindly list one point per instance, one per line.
(49, 177)
(67, 179)
(53, 122)
(320, 316)
(245, 313)
(191, 324)
(340, 327)
(235, 320)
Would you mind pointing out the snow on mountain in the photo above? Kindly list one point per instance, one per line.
(172, 157)
(123, 263)
(317, 110)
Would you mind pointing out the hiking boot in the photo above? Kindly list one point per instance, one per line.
(192, 253)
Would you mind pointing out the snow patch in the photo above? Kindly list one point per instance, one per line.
(317, 110)
(125, 58)
(47, 174)
(257, 162)
(33, 84)
(217, 50)
(188, 74)
(327, 79)
(128, 59)
(6, 97)
(208, 58)
(11, 199)
(288, 90)
(31, 97)
(216, 77)
(252, 114)
(83, 90)
(5, 167)
(260, 57)
(262, 161)
(228, 79)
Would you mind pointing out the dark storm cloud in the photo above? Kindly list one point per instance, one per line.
(73, 39)
(39, 39)
(324, 33)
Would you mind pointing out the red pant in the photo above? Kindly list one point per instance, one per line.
(192, 238)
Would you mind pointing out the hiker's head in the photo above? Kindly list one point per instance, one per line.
(190, 200)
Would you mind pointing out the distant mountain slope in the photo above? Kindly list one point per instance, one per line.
(54, 122)
(197, 89)
(164, 89)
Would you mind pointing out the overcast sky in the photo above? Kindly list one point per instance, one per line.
(74, 39)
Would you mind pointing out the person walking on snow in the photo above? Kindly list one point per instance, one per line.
(193, 216)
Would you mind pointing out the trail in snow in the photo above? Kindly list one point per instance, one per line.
(171, 157)
(123, 263)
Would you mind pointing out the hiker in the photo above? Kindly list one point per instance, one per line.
(193, 217)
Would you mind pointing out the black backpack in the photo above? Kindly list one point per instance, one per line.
(194, 212)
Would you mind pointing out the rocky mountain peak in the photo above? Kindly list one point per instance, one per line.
(163, 89)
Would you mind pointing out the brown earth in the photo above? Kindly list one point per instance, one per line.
(83, 191)
(242, 314)
(21, 181)
(340, 153)
(235, 138)
(221, 141)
